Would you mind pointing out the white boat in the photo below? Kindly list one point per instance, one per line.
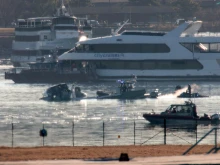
(181, 54)
(40, 36)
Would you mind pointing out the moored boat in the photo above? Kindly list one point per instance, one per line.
(178, 114)
(181, 54)
(48, 71)
(36, 37)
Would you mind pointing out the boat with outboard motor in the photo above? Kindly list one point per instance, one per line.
(125, 90)
(192, 95)
(185, 114)
(188, 93)
(61, 92)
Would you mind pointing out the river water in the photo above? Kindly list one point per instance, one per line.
(92, 122)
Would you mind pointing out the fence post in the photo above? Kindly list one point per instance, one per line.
(165, 129)
(196, 131)
(12, 134)
(103, 134)
(43, 136)
(43, 133)
(73, 131)
(134, 131)
(215, 139)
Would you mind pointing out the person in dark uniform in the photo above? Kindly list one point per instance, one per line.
(189, 89)
(124, 88)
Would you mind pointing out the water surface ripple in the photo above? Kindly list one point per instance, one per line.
(80, 122)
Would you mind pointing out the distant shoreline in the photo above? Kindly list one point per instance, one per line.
(95, 152)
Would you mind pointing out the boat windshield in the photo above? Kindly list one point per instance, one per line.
(169, 108)
(187, 109)
(125, 86)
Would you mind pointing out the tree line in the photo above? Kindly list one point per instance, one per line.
(11, 10)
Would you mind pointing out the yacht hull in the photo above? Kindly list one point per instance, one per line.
(46, 77)
(163, 78)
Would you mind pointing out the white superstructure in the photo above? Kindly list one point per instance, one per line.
(37, 37)
(181, 54)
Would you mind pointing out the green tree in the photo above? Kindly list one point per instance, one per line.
(185, 8)
(9, 10)
(39, 8)
(145, 2)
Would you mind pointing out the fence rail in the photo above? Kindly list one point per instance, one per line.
(101, 133)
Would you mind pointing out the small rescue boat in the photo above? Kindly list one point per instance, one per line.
(125, 90)
(188, 93)
(184, 114)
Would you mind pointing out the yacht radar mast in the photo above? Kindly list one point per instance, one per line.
(62, 11)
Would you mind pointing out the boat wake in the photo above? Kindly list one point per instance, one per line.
(178, 92)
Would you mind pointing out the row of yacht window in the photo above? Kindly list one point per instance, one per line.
(134, 65)
(150, 65)
(144, 48)
(29, 52)
(202, 47)
(123, 48)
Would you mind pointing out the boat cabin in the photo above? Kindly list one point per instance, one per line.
(125, 86)
(187, 109)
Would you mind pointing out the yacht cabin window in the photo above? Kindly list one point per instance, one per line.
(202, 47)
(124, 48)
(27, 38)
(150, 65)
(63, 20)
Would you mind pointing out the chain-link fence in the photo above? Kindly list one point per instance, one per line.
(101, 133)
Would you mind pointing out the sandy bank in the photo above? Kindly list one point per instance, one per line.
(51, 153)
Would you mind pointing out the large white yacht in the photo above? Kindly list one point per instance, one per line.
(181, 54)
(37, 37)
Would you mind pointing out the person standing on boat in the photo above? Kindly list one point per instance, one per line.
(189, 89)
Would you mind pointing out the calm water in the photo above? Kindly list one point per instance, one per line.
(21, 105)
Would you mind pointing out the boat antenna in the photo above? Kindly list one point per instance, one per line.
(134, 78)
(62, 11)
(117, 30)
